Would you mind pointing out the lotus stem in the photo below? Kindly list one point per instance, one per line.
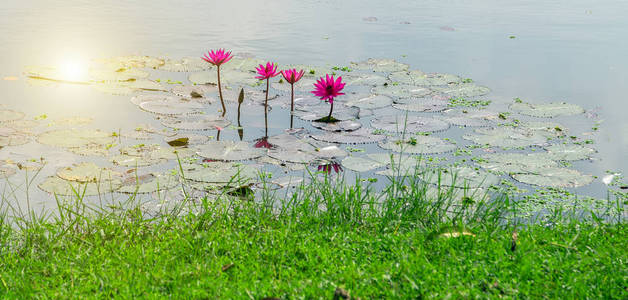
(331, 109)
(266, 107)
(224, 109)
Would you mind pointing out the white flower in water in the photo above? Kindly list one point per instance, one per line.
(609, 178)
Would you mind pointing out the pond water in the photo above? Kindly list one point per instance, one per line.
(540, 52)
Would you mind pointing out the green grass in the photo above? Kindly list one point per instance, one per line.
(326, 236)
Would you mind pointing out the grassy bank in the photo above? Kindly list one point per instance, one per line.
(327, 239)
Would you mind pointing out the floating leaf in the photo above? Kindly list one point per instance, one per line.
(471, 117)
(419, 145)
(402, 91)
(134, 61)
(192, 139)
(421, 105)
(292, 155)
(13, 139)
(219, 172)
(57, 186)
(370, 102)
(361, 164)
(136, 161)
(360, 136)
(115, 74)
(347, 125)
(186, 64)
(464, 90)
(460, 177)
(148, 183)
(178, 142)
(305, 84)
(75, 137)
(41, 74)
(229, 151)
(516, 163)
(547, 110)
(419, 78)
(128, 87)
(316, 112)
(380, 65)
(90, 150)
(171, 107)
(409, 124)
(507, 137)
(555, 177)
(6, 169)
(569, 152)
(71, 121)
(365, 79)
(193, 91)
(196, 122)
(87, 172)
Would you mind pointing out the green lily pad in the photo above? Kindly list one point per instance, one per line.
(191, 139)
(318, 71)
(203, 122)
(464, 90)
(421, 105)
(87, 172)
(361, 164)
(114, 74)
(365, 79)
(516, 163)
(136, 161)
(547, 110)
(128, 87)
(370, 102)
(418, 78)
(186, 64)
(193, 91)
(315, 112)
(395, 163)
(148, 183)
(220, 172)
(229, 151)
(409, 124)
(360, 136)
(75, 137)
(72, 121)
(292, 155)
(347, 125)
(90, 150)
(507, 137)
(13, 139)
(303, 85)
(419, 145)
(460, 177)
(569, 152)
(471, 117)
(172, 107)
(380, 65)
(226, 77)
(402, 91)
(555, 177)
(133, 61)
(57, 186)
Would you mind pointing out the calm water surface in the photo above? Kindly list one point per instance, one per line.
(570, 50)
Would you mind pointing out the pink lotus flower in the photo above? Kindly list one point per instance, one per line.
(292, 76)
(266, 72)
(328, 88)
(217, 57)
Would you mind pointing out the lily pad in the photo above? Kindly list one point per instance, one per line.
(516, 163)
(380, 65)
(312, 113)
(75, 137)
(402, 91)
(193, 91)
(6, 169)
(220, 172)
(471, 117)
(360, 136)
(370, 102)
(507, 137)
(292, 155)
(569, 152)
(347, 125)
(136, 161)
(555, 177)
(409, 124)
(419, 145)
(57, 186)
(464, 90)
(172, 107)
(191, 139)
(229, 151)
(365, 79)
(460, 177)
(419, 78)
(186, 64)
(421, 105)
(114, 74)
(148, 183)
(13, 139)
(196, 122)
(547, 110)
(361, 164)
(303, 85)
(134, 61)
(87, 172)
(128, 87)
